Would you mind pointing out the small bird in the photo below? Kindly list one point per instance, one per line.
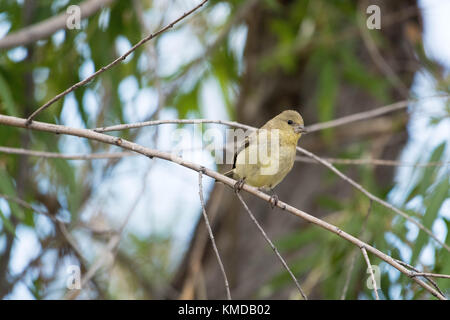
(267, 155)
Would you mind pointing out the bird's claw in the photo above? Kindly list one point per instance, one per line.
(238, 185)
(273, 201)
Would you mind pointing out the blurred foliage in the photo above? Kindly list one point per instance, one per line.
(144, 262)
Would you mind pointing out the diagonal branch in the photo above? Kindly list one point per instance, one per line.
(353, 258)
(151, 153)
(376, 162)
(372, 276)
(424, 275)
(211, 235)
(364, 115)
(56, 155)
(113, 63)
(379, 60)
(373, 197)
(283, 262)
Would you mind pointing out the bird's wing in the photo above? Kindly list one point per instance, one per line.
(244, 145)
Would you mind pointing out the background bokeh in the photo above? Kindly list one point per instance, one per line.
(232, 60)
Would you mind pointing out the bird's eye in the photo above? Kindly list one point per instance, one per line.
(290, 122)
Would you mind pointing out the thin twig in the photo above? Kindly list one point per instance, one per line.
(113, 63)
(354, 253)
(378, 58)
(373, 197)
(136, 125)
(376, 162)
(428, 274)
(56, 155)
(430, 280)
(211, 235)
(151, 153)
(369, 266)
(272, 246)
(365, 115)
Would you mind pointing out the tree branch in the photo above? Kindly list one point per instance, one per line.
(211, 235)
(373, 197)
(151, 153)
(364, 115)
(372, 276)
(433, 283)
(353, 257)
(376, 162)
(55, 155)
(283, 262)
(113, 63)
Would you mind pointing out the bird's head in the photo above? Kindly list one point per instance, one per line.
(290, 120)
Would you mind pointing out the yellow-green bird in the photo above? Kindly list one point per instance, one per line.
(268, 154)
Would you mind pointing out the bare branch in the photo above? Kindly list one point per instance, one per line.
(136, 125)
(353, 258)
(151, 153)
(55, 155)
(373, 197)
(272, 246)
(211, 235)
(428, 274)
(47, 27)
(433, 283)
(376, 162)
(379, 60)
(113, 63)
(365, 115)
(369, 266)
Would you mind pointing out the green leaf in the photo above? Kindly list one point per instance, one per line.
(434, 203)
(188, 102)
(7, 223)
(429, 174)
(6, 98)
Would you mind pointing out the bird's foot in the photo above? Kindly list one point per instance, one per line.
(273, 201)
(238, 185)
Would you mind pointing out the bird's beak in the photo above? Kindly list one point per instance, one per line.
(300, 129)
